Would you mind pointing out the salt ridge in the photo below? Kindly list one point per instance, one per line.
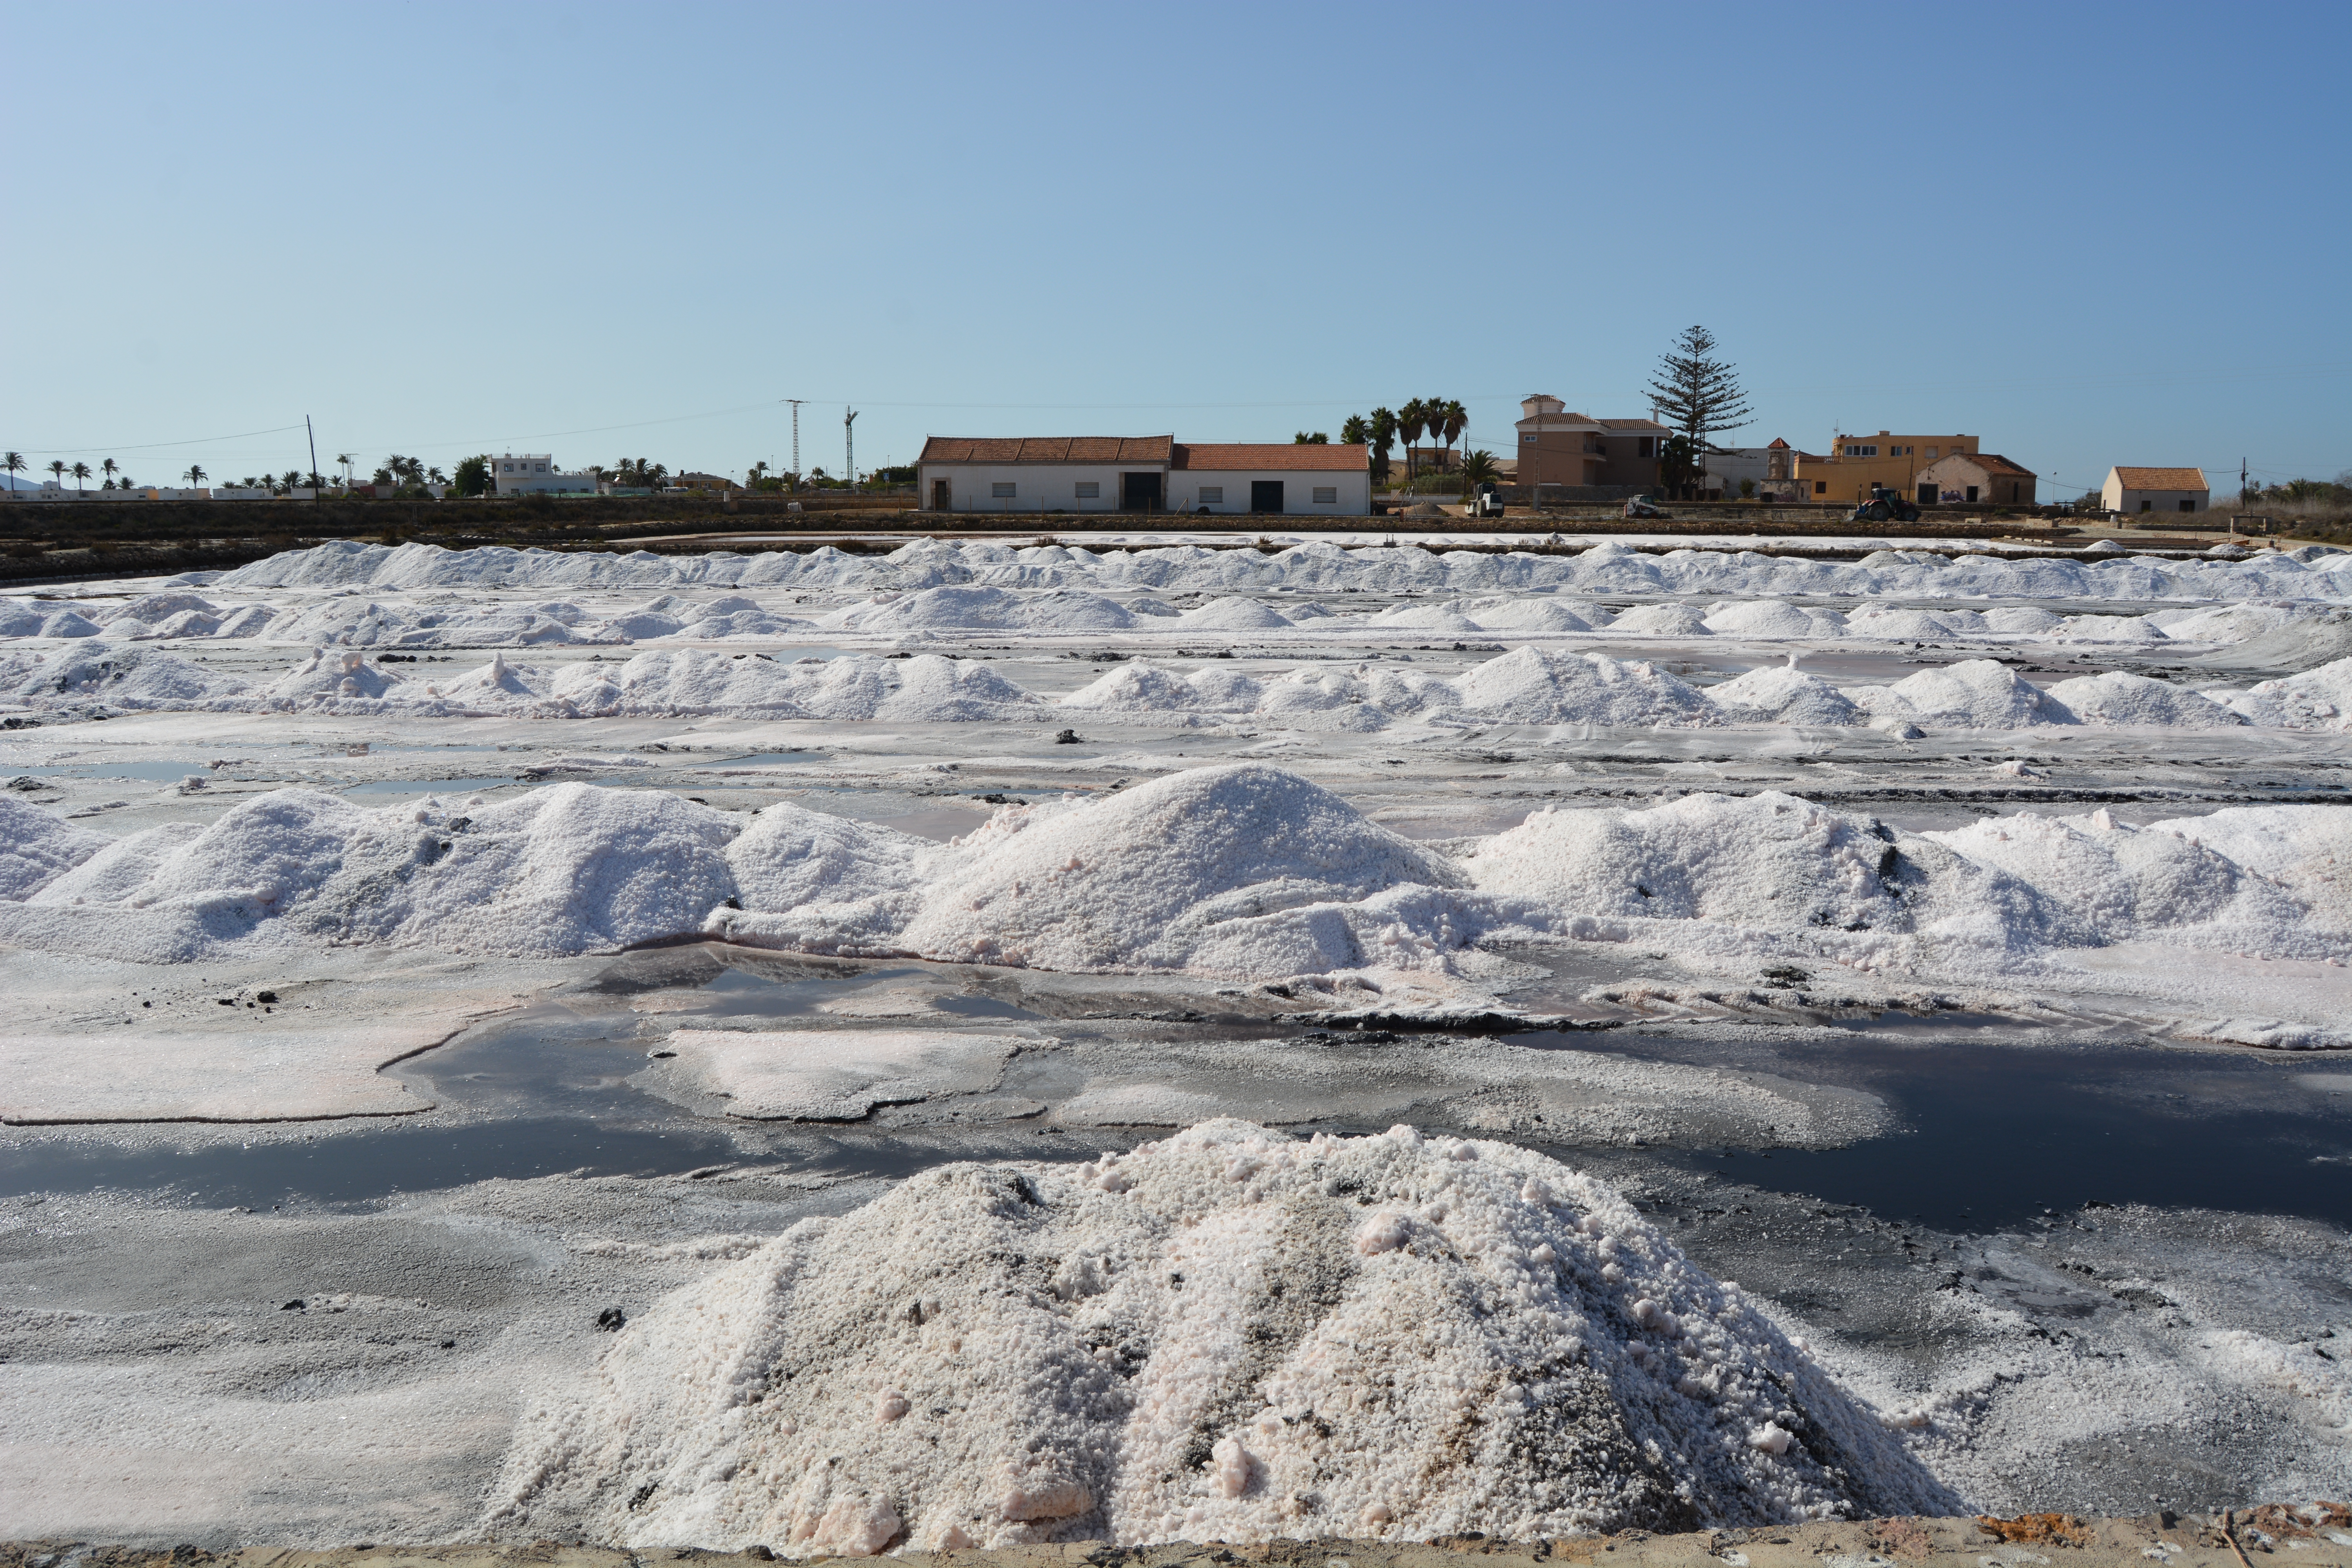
(1526, 686)
(1241, 869)
(928, 564)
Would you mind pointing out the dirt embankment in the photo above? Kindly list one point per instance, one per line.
(2313, 1536)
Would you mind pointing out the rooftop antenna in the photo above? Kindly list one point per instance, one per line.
(796, 402)
(849, 441)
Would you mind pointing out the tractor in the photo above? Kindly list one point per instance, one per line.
(1884, 506)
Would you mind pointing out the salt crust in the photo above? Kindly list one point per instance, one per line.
(1227, 1335)
(815, 1075)
(1243, 869)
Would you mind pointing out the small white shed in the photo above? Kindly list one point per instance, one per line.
(2134, 490)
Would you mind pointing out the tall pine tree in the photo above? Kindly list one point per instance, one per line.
(1695, 394)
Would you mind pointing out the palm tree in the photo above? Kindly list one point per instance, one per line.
(1478, 469)
(1384, 434)
(13, 464)
(1411, 420)
(1458, 419)
(195, 476)
(1355, 431)
(82, 475)
(110, 468)
(58, 469)
(344, 461)
(435, 476)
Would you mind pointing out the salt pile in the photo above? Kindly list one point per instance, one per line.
(1767, 862)
(1527, 686)
(1975, 694)
(1241, 869)
(2316, 700)
(37, 848)
(2128, 882)
(1228, 1335)
(2118, 699)
(565, 869)
(1782, 694)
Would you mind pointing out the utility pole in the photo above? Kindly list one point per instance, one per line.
(316, 486)
(849, 441)
(796, 439)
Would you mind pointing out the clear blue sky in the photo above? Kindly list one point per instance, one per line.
(2091, 233)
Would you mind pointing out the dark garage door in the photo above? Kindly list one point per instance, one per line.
(1266, 495)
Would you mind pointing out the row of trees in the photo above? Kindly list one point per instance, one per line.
(1441, 418)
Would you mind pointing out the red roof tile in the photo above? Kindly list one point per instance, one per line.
(1272, 458)
(1048, 449)
(2162, 479)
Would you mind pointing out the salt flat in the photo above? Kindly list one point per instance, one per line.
(854, 865)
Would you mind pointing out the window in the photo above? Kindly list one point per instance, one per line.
(1642, 448)
(1001, 489)
(1089, 489)
(1972, 492)
(2147, 506)
(1329, 495)
(1212, 495)
(1931, 451)
(2189, 506)
(1821, 487)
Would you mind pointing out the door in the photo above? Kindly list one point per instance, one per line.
(1266, 495)
(942, 496)
(1139, 492)
(1928, 493)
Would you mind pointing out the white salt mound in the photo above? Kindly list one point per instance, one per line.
(1245, 868)
(2122, 700)
(1767, 861)
(1227, 1335)
(1778, 694)
(36, 848)
(1234, 613)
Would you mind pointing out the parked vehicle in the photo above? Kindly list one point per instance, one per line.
(1642, 506)
(1884, 506)
(1485, 502)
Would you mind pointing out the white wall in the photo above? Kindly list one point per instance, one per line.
(1299, 488)
(1036, 486)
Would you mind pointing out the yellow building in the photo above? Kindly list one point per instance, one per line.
(1857, 462)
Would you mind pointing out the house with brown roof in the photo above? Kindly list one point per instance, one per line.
(2156, 489)
(1560, 447)
(1142, 473)
(1966, 478)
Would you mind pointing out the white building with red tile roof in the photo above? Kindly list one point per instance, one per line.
(2156, 489)
(1142, 473)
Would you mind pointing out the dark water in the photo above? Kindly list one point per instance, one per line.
(1993, 1135)
(1993, 1130)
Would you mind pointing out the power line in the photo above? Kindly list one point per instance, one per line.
(157, 446)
